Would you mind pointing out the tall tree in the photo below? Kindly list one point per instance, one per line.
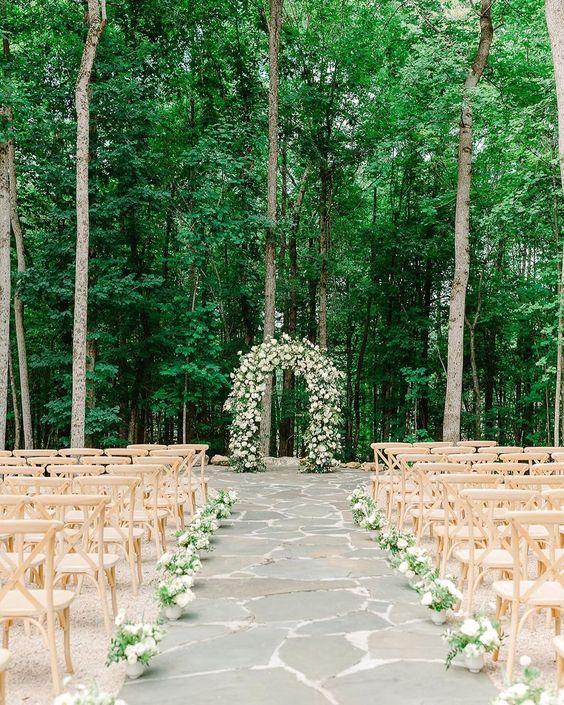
(96, 21)
(274, 24)
(4, 278)
(453, 396)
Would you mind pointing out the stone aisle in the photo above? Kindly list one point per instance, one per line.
(297, 607)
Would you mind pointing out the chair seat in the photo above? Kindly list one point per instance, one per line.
(547, 594)
(15, 558)
(5, 658)
(167, 501)
(112, 535)
(454, 532)
(15, 604)
(75, 563)
(430, 514)
(498, 558)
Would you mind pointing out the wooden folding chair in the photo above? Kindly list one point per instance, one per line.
(528, 458)
(477, 444)
(34, 606)
(81, 452)
(501, 449)
(80, 552)
(430, 444)
(528, 592)
(544, 449)
(147, 446)
(198, 458)
(119, 530)
(29, 470)
(72, 472)
(147, 513)
(17, 462)
(472, 459)
(171, 497)
(5, 453)
(452, 450)
(489, 534)
(504, 468)
(405, 493)
(106, 460)
(19, 484)
(558, 642)
(34, 452)
(45, 460)
(381, 468)
(453, 532)
(126, 452)
(547, 469)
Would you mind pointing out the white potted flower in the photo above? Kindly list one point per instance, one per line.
(199, 540)
(87, 696)
(183, 561)
(473, 637)
(528, 690)
(134, 642)
(440, 595)
(174, 594)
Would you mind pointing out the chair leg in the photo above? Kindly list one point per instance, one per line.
(111, 576)
(559, 671)
(3, 688)
(53, 652)
(512, 648)
(6, 634)
(138, 559)
(65, 615)
(101, 583)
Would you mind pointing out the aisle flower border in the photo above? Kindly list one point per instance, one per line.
(322, 379)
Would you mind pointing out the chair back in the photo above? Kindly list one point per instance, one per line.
(477, 444)
(19, 484)
(451, 450)
(106, 460)
(529, 457)
(501, 449)
(147, 446)
(45, 460)
(471, 458)
(29, 470)
(72, 471)
(34, 452)
(80, 452)
(12, 461)
(126, 452)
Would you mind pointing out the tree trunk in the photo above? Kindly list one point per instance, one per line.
(270, 249)
(96, 20)
(453, 397)
(4, 285)
(323, 249)
(17, 434)
(554, 12)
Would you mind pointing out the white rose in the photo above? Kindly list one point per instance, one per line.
(403, 566)
(427, 599)
(489, 637)
(525, 661)
(469, 627)
(402, 543)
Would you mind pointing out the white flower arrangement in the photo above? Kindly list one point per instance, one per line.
(322, 381)
(175, 590)
(183, 561)
(528, 690)
(87, 696)
(440, 594)
(197, 539)
(472, 636)
(395, 541)
(134, 641)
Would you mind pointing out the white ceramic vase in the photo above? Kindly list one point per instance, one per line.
(474, 663)
(173, 612)
(438, 617)
(134, 670)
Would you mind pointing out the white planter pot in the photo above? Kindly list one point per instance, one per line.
(134, 670)
(438, 617)
(474, 663)
(173, 612)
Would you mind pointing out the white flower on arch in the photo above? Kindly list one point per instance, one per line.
(322, 381)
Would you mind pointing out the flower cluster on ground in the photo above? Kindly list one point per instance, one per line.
(87, 696)
(138, 641)
(473, 636)
(528, 690)
(323, 382)
(134, 641)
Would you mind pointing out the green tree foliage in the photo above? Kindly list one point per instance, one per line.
(370, 91)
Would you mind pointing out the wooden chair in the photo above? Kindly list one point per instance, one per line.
(147, 446)
(489, 540)
(120, 530)
(73, 471)
(19, 462)
(34, 452)
(81, 553)
(18, 484)
(148, 514)
(451, 450)
(477, 444)
(29, 470)
(45, 460)
(504, 468)
(530, 457)
(431, 444)
(171, 496)
(536, 483)
(501, 449)
(5, 453)
(126, 452)
(404, 491)
(528, 592)
(452, 531)
(198, 458)
(472, 458)
(80, 452)
(547, 469)
(39, 607)
(106, 460)
(544, 449)
(5, 658)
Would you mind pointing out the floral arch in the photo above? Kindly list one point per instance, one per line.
(245, 400)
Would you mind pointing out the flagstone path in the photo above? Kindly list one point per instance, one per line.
(296, 606)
